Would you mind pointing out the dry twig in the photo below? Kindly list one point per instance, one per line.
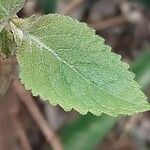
(21, 133)
(104, 24)
(35, 112)
(18, 127)
(72, 6)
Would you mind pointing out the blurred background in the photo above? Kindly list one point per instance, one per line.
(125, 25)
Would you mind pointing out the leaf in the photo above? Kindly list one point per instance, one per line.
(81, 133)
(86, 132)
(7, 43)
(64, 61)
(8, 8)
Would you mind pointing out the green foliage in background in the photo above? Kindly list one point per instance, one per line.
(48, 6)
(141, 67)
(86, 132)
(145, 2)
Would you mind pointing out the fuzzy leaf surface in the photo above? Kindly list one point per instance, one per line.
(63, 61)
(8, 8)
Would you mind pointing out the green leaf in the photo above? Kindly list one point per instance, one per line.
(7, 43)
(86, 132)
(64, 61)
(80, 133)
(8, 8)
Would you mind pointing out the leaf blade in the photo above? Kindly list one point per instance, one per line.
(8, 8)
(71, 57)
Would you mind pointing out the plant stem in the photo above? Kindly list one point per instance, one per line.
(27, 99)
